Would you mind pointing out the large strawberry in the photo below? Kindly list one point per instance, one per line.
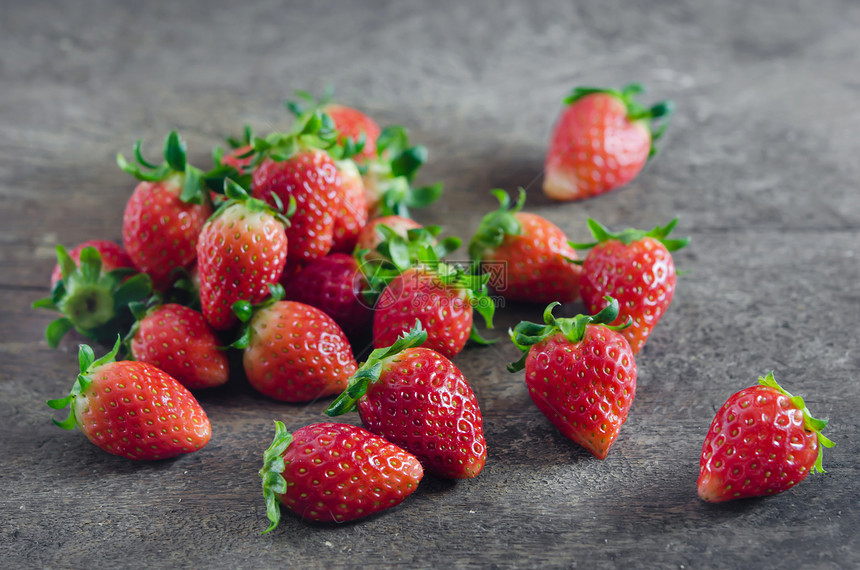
(179, 341)
(580, 373)
(95, 287)
(601, 141)
(133, 409)
(419, 400)
(332, 472)
(293, 352)
(762, 441)
(335, 285)
(635, 267)
(441, 296)
(527, 256)
(241, 251)
(165, 213)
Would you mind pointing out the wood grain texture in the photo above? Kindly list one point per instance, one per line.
(760, 164)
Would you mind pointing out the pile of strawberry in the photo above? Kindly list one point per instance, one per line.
(297, 247)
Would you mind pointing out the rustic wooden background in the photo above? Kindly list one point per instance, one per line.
(760, 164)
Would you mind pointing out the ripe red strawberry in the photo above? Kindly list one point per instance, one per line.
(353, 124)
(133, 409)
(241, 251)
(370, 236)
(580, 373)
(178, 340)
(352, 215)
(441, 297)
(113, 257)
(762, 441)
(636, 268)
(93, 295)
(312, 179)
(601, 141)
(165, 213)
(294, 352)
(528, 257)
(419, 400)
(335, 285)
(335, 473)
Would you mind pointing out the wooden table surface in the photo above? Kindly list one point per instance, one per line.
(760, 164)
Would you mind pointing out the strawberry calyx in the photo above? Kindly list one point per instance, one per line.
(630, 235)
(272, 473)
(527, 334)
(192, 180)
(496, 225)
(88, 365)
(371, 369)
(314, 129)
(344, 147)
(655, 117)
(92, 301)
(810, 423)
(236, 194)
(245, 311)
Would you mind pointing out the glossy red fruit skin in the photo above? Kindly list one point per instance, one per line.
(297, 353)
(423, 404)
(159, 231)
(334, 284)
(239, 254)
(113, 257)
(352, 215)
(594, 148)
(353, 123)
(179, 341)
(537, 266)
(370, 239)
(757, 445)
(137, 411)
(585, 389)
(340, 472)
(312, 178)
(641, 276)
(445, 312)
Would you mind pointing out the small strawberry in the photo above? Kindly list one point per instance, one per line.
(580, 373)
(335, 285)
(419, 400)
(133, 409)
(351, 218)
(242, 249)
(636, 268)
(762, 441)
(370, 236)
(165, 213)
(353, 124)
(113, 256)
(441, 296)
(92, 294)
(332, 472)
(293, 352)
(529, 256)
(179, 341)
(601, 141)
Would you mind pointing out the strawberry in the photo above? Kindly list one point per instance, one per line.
(528, 256)
(133, 409)
(370, 236)
(113, 256)
(580, 373)
(419, 400)
(441, 297)
(335, 285)
(330, 472)
(353, 124)
(762, 441)
(242, 249)
(601, 141)
(179, 341)
(92, 294)
(352, 215)
(636, 268)
(165, 213)
(293, 352)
